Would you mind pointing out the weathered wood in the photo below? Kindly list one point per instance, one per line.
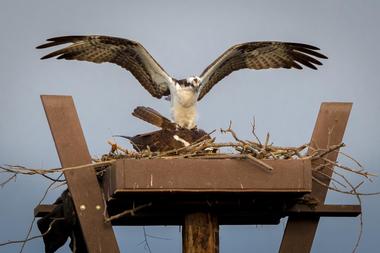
(324, 210)
(296, 210)
(200, 233)
(66, 130)
(329, 130)
(202, 175)
(82, 183)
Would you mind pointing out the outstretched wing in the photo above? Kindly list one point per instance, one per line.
(128, 54)
(259, 55)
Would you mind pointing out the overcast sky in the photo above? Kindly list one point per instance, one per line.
(184, 37)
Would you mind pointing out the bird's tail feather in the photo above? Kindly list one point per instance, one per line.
(153, 117)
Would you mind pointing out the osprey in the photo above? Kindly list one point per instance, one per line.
(183, 93)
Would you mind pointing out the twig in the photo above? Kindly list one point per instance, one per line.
(254, 131)
(351, 158)
(333, 180)
(28, 171)
(32, 238)
(126, 212)
(360, 203)
(358, 185)
(344, 192)
(8, 180)
(146, 236)
(146, 240)
(329, 150)
(117, 147)
(361, 173)
(329, 187)
(232, 132)
(34, 218)
(266, 142)
(258, 161)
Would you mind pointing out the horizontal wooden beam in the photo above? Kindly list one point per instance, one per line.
(325, 210)
(43, 210)
(130, 176)
(297, 210)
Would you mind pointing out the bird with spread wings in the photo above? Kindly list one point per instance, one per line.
(183, 93)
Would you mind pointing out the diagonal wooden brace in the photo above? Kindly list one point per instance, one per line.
(82, 183)
(329, 130)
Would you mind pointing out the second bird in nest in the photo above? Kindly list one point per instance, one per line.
(169, 137)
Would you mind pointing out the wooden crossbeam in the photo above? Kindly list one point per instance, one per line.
(324, 211)
(298, 210)
(329, 130)
(82, 183)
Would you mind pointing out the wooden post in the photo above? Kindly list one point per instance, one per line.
(83, 185)
(329, 129)
(200, 233)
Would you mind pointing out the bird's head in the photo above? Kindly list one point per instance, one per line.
(194, 81)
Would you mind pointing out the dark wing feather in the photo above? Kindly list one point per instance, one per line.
(128, 54)
(259, 55)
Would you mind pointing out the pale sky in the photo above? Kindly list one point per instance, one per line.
(184, 37)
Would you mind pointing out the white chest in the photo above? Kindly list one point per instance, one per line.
(186, 96)
(184, 108)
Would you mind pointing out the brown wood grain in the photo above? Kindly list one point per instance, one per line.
(66, 130)
(329, 130)
(200, 233)
(82, 183)
(216, 175)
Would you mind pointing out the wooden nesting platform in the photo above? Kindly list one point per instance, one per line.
(237, 191)
(196, 193)
(130, 176)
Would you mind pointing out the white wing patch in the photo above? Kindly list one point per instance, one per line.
(177, 138)
(155, 71)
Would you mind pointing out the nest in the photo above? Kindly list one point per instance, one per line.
(207, 148)
(175, 142)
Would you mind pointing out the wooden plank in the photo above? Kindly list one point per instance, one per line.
(261, 214)
(43, 209)
(296, 210)
(82, 183)
(329, 130)
(66, 130)
(200, 233)
(205, 175)
(324, 210)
